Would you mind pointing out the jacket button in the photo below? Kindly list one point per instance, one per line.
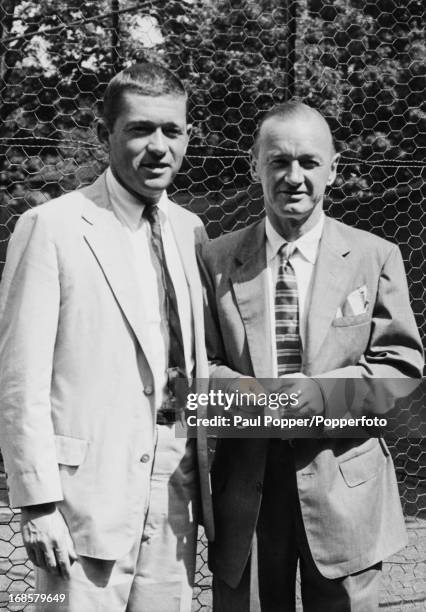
(145, 458)
(148, 390)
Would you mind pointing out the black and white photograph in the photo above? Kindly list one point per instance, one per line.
(212, 306)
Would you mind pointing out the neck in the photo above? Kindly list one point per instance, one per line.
(289, 230)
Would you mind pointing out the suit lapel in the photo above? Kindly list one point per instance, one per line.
(250, 284)
(186, 247)
(328, 288)
(185, 243)
(107, 240)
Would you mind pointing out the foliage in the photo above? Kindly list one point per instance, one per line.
(360, 62)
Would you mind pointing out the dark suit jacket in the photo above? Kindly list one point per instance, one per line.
(347, 487)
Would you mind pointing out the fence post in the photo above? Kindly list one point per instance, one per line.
(291, 49)
(115, 36)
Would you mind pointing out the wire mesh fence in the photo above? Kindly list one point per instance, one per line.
(360, 63)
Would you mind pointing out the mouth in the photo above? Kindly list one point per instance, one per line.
(293, 194)
(155, 165)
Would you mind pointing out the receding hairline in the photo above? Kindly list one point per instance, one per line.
(292, 109)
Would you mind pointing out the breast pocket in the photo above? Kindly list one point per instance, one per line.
(361, 319)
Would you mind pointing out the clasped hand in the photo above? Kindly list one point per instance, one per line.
(305, 393)
(307, 398)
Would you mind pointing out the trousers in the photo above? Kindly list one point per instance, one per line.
(157, 574)
(281, 545)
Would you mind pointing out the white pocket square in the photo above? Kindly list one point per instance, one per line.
(355, 304)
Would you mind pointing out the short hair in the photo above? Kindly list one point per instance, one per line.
(291, 108)
(147, 79)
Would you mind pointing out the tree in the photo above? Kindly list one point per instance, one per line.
(359, 62)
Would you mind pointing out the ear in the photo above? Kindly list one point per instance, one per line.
(103, 135)
(188, 134)
(253, 166)
(333, 169)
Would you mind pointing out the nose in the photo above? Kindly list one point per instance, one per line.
(157, 143)
(294, 174)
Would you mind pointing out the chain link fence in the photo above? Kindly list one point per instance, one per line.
(360, 62)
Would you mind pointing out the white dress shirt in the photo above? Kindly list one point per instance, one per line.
(303, 255)
(129, 210)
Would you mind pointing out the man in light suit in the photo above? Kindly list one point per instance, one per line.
(296, 296)
(89, 351)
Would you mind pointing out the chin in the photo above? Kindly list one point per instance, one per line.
(294, 211)
(155, 186)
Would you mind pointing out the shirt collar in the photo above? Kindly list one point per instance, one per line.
(307, 244)
(126, 206)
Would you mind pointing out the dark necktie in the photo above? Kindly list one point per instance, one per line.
(287, 318)
(169, 308)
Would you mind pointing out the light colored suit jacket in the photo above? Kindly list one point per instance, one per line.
(76, 399)
(347, 487)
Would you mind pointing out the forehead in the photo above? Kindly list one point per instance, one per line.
(296, 135)
(154, 109)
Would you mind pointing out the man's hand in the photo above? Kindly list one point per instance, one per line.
(310, 400)
(47, 539)
(252, 389)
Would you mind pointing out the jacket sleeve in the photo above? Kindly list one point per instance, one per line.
(29, 311)
(222, 377)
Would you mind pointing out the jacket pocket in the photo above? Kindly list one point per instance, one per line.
(70, 451)
(361, 468)
(354, 320)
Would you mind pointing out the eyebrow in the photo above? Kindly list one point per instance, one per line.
(283, 155)
(153, 125)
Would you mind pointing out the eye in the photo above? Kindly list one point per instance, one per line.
(173, 132)
(278, 162)
(140, 130)
(309, 164)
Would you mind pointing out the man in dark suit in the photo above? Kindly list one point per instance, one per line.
(296, 296)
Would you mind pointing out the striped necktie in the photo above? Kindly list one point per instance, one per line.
(170, 314)
(287, 317)
(167, 290)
